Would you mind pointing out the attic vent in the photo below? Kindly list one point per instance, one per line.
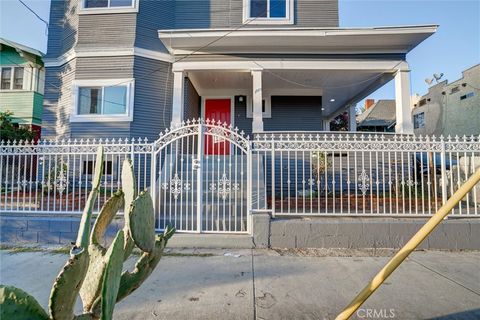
(422, 102)
(454, 90)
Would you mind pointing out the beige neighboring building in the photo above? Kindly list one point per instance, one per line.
(450, 108)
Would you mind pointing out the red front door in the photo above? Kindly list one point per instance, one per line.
(217, 110)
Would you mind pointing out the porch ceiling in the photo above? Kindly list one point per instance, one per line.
(296, 40)
(342, 86)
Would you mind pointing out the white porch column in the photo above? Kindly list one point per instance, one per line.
(402, 102)
(257, 122)
(326, 125)
(177, 101)
(352, 119)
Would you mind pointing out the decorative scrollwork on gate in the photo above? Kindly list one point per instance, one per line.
(176, 186)
(363, 182)
(224, 187)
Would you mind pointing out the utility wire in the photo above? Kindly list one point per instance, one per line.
(36, 15)
(209, 44)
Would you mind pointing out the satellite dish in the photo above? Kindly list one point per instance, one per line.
(438, 76)
(428, 81)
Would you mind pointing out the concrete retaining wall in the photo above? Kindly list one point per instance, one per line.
(351, 233)
(358, 233)
(46, 230)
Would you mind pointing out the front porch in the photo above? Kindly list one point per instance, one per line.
(290, 79)
(284, 96)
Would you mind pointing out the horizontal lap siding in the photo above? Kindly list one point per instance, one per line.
(153, 97)
(153, 16)
(295, 113)
(229, 13)
(317, 13)
(57, 101)
(104, 67)
(106, 31)
(241, 121)
(192, 14)
(62, 31)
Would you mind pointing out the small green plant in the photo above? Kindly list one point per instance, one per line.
(93, 271)
(10, 132)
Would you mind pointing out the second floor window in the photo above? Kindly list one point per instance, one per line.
(268, 11)
(108, 3)
(11, 78)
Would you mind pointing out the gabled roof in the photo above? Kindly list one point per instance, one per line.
(376, 40)
(380, 114)
(21, 47)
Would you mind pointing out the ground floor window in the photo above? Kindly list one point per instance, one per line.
(97, 100)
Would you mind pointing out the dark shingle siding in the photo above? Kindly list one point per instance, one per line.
(191, 101)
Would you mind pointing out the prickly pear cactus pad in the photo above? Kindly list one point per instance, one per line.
(105, 217)
(19, 305)
(142, 222)
(129, 185)
(144, 266)
(92, 286)
(111, 278)
(99, 163)
(83, 235)
(67, 285)
(129, 188)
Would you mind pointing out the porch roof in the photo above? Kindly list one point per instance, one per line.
(375, 40)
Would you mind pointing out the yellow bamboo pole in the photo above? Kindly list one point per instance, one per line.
(409, 247)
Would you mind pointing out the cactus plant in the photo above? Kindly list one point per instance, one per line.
(93, 271)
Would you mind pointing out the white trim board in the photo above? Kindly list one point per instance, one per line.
(118, 52)
(280, 64)
(108, 10)
(289, 14)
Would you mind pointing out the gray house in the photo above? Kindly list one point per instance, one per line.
(377, 117)
(131, 68)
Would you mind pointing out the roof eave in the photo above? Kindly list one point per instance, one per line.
(301, 40)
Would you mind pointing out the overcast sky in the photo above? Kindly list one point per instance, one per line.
(455, 47)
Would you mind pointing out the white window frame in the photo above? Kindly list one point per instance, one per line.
(268, 106)
(128, 116)
(108, 9)
(289, 14)
(12, 77)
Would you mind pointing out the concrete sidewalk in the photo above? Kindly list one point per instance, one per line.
(267, 284)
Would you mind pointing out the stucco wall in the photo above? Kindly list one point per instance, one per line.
(446, 113)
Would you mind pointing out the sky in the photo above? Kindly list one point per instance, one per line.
(455, 46)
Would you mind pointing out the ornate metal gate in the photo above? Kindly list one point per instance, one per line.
(200, 178)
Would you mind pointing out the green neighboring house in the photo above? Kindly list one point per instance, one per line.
(22, 76)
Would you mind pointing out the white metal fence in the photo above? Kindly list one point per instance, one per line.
(361, 174)
(55, 176)
(208, 177)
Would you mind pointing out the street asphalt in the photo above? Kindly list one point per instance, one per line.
(270, 284)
